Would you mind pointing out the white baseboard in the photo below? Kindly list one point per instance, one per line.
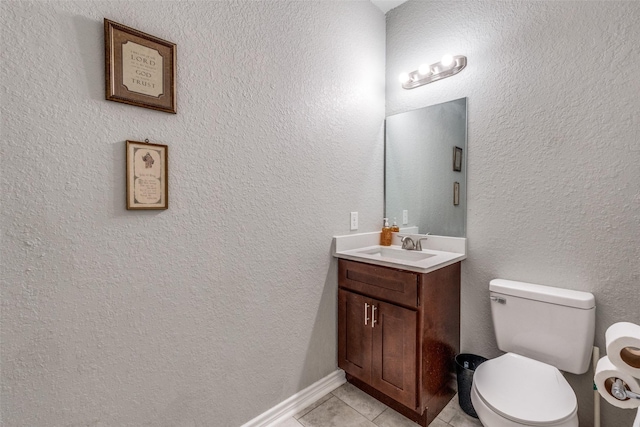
(298, 401)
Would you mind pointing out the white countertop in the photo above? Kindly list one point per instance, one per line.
(439, 251)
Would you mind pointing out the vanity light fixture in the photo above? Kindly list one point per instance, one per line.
(448, 66)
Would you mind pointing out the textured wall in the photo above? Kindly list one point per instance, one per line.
(224, 305)
(554, 155)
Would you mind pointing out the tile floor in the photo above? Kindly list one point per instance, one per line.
(347, 406)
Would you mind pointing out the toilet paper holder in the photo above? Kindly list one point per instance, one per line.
(620, 392)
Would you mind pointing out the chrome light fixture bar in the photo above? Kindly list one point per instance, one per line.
(447, 67)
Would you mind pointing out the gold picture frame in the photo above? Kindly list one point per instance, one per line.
(140, 69)
(147, 176)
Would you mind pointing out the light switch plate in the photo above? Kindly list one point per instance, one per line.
(405, 217)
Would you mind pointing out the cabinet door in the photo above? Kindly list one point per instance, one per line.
(394, 357)
(354, 334)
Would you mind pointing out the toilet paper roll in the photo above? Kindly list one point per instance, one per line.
(606, 373)
(623, 347)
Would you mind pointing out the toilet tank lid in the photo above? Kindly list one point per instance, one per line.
(566, 297)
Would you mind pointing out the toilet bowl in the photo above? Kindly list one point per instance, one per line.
(542, 330)
(515, 391)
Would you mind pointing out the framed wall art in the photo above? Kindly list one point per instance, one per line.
(140, 69)
(456, 193)
(457, 159)
(147, 176)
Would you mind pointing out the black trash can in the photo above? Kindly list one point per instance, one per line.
(466, 365)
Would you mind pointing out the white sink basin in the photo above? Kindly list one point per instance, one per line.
(395, 253)
(437, 251)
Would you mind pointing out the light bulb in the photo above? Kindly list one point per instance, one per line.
(424, 69)
(447, 60)
(404, 78)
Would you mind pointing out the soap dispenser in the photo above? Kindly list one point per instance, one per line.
(385, 236)
(394, 227)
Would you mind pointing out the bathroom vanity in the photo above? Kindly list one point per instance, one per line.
(399, 324)
(399, 309)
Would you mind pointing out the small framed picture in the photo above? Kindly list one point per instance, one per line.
(456, 193)
(147, 176)
(140, 69)
(457, 159)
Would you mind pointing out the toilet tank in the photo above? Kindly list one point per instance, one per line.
(552, 325)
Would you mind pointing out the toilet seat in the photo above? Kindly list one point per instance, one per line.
(525, 391)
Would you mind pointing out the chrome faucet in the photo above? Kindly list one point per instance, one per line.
(409, 244)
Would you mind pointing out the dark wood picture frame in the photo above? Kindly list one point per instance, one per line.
(147, 176)
(456, 193)
(457, 159)
(140, 69)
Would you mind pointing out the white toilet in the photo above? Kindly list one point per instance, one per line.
(544, 330)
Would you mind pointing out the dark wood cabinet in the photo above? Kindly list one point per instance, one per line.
(399, 332)
(355, 353)
(380, 345)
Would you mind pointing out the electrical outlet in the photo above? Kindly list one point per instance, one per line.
(354, 221)
(405, 217)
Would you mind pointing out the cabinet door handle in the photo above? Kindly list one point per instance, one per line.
(366, 313)
(373, 315)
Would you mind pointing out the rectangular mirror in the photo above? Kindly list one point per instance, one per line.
(425, 156)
